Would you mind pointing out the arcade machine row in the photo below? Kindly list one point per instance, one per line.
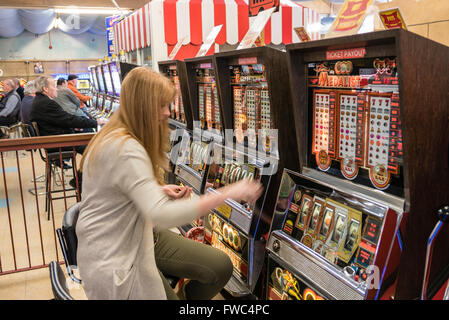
(373, 156)
(255, 104)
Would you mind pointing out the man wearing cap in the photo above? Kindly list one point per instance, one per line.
(71, 84)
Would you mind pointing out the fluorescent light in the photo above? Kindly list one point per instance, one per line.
(76, 10)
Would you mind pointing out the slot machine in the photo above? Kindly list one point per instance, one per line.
(207, 118)
(94, 89)
(187, 155)
(114, 68)
(83, 83)
(353, 223)
(109, 97)
(101, 89)
(259, 141)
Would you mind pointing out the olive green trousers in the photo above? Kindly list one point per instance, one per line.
(207, 268)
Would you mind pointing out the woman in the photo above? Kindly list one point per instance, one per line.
(124, 199)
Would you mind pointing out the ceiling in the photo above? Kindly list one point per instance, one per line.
(322, 6)
(44, 4)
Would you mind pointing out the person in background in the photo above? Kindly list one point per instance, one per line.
(70, 103)
(9, 105)
(71, 84)
(124, 245)
(19, 89)
(30, 92)
(50, 117)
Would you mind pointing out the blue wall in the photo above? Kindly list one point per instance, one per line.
(71, 47)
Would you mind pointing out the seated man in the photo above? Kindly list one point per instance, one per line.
(9, 105)
(19, 89)
(51, 119)
(71, 84)
(29, 92)
(67, 99)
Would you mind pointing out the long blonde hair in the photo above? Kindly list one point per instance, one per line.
(144, 93)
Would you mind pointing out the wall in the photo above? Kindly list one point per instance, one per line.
(68, 47)
(428, 18)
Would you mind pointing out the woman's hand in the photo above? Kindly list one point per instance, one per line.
(177, 192)
(244, 190)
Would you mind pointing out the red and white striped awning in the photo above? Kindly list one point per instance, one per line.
(192, 20)
(133, 32)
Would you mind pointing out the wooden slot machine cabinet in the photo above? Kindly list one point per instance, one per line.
(174, 70)
(372, 126)
(259, 141)
(206, 112)
(188, 154)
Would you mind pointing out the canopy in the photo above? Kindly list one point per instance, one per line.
(192, 20)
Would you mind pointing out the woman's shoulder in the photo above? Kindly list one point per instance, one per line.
(123, 145)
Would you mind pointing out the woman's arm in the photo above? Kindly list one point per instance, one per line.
(134, 176)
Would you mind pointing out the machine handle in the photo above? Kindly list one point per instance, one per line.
(443, 218)
(443, 214)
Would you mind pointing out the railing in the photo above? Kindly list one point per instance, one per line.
(27, 226)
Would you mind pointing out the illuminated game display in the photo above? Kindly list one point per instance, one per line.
(101, 85)
(332, 230)
(207, 95)
(356, 122)
(250, 98)
(174, 70)
(353, 223)
(115, 78)
(107, 79)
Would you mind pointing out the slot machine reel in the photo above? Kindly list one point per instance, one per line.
(231, 236)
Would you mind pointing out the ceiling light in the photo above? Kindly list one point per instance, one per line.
(76, 10)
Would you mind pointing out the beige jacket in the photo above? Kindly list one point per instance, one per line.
(121, 201)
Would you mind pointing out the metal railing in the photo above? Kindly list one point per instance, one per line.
(28, 227)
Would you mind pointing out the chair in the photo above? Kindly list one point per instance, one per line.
(54, 159)
(58, 284)
(15, 129)
(69, 244)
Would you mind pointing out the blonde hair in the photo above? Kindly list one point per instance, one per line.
(144, 92)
